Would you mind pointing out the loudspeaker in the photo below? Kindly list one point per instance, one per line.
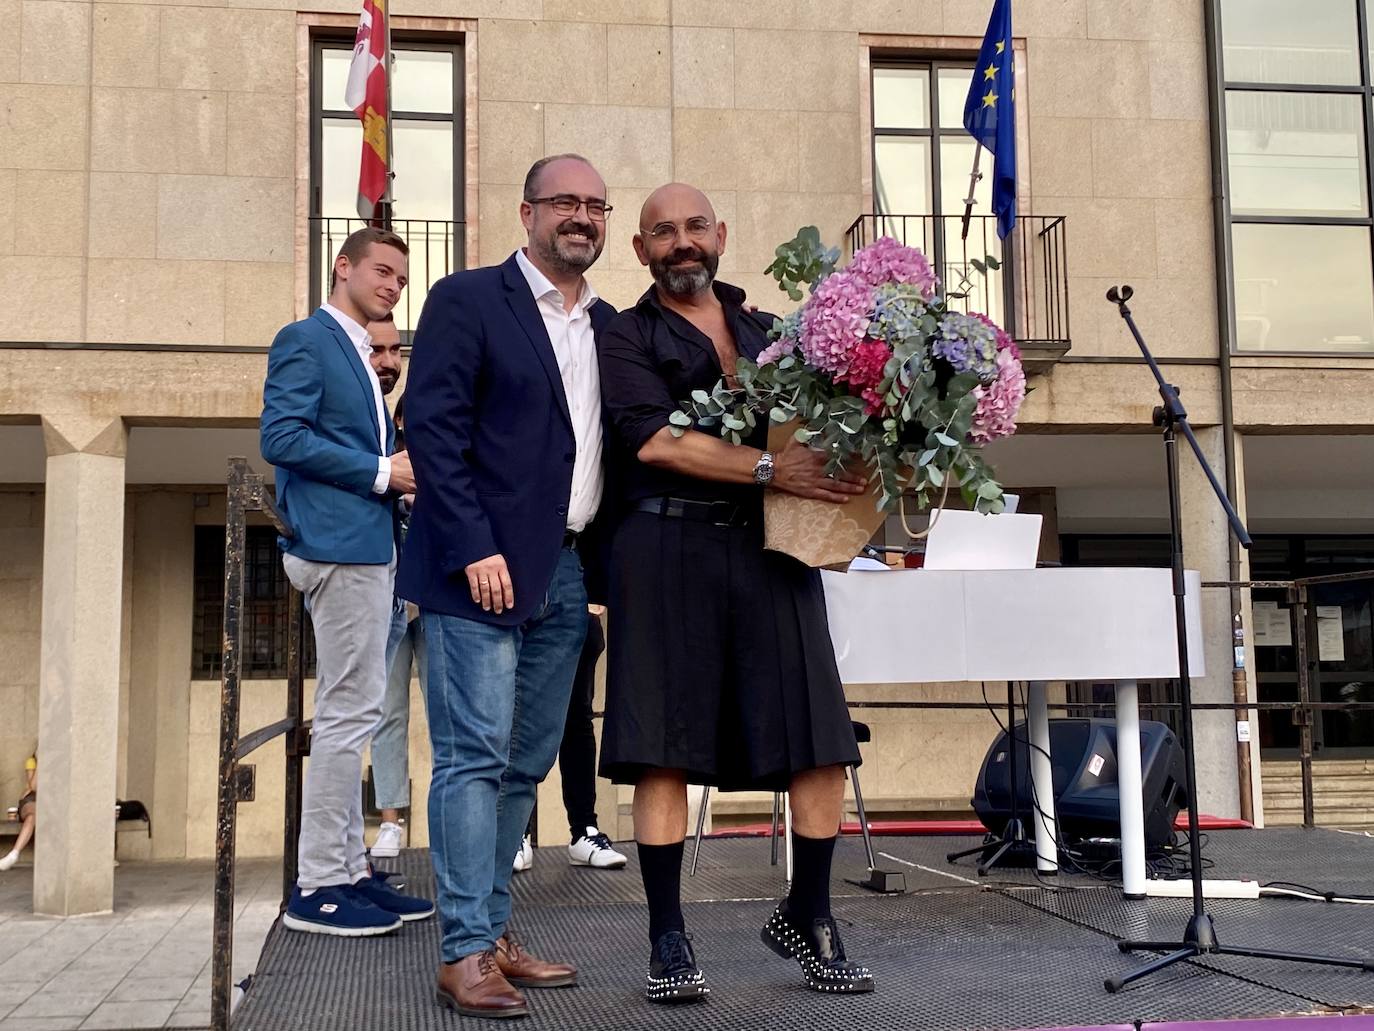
(1083, 762)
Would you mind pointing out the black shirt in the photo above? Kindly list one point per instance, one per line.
(651, 360)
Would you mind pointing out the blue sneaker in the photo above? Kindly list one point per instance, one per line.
(386, 898)
(392, 877)
(339, 910)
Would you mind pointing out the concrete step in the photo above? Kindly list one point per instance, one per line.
(1320, 789)
(1323, 767)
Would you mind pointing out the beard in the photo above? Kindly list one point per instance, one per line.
(567, 256)
(677, 281)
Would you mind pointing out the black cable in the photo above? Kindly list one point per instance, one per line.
(1168, 862)
(1065, 850)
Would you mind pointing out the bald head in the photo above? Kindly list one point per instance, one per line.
(675, 202)
(680, 239)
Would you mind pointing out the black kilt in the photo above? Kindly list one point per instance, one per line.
(719, 659)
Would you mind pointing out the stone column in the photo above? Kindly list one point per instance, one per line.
(1205, 534)
(78, 694)
(1247, 615)
(163, 562)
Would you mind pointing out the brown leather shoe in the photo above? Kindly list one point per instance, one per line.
(530, 971)
(475, 987)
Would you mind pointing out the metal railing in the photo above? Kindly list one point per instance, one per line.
(1303, 621)
(436, 249)
(1028, 295)
(248, 493)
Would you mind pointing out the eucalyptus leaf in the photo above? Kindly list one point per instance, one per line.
(679, 418)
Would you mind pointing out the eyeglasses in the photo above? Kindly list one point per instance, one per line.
(666, 232)
(565, 204)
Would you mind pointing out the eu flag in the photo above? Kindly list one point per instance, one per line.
(990, 112)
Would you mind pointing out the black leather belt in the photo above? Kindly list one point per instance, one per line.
(717, 513)
(570, 539)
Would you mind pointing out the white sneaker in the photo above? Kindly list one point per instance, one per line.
(524, 858)
(594, 849)
(388, 843)
(8, 860)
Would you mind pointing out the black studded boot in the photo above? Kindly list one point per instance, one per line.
(673, 972)
(819, 952)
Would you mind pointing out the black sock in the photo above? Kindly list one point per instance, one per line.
(661, 868)
(809, 898)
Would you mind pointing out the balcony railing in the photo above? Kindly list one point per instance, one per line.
(1028, 294)
(436, 249)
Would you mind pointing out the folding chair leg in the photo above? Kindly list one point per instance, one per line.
(701, 826)
(777, 816)
(863, 817)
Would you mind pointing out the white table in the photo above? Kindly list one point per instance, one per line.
(1037, 625)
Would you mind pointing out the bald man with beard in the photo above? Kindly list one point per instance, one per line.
(720, 669)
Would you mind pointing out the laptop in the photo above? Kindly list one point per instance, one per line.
(972, 540)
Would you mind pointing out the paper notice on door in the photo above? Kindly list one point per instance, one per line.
(1272, 626)
(1330, 634)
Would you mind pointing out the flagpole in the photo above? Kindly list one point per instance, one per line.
(388, 198)
(973, 178)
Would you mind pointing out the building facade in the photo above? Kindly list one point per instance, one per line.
(176, 176)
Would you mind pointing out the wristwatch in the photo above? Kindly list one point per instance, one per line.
(763, 469)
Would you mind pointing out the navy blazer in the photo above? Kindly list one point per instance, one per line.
(319, 428)
(491, 440)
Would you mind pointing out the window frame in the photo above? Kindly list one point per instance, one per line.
(207, 606)
(1363, 89)
(933, 132)
(336, 39)
(881, 58)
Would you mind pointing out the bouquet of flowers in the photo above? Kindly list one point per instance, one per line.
(877, 370)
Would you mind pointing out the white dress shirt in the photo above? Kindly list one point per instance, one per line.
(360, 339)
(574, 347)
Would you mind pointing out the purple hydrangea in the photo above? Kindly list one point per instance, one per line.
(968, 344)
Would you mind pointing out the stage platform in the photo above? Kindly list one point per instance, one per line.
(955, 952)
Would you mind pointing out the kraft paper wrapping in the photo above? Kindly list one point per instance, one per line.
(817, 533)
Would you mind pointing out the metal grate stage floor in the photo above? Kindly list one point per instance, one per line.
(952, 953)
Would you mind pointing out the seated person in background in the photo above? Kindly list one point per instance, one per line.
(28, 808)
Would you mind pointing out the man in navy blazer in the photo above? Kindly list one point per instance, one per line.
(503, 421)
(327, 430)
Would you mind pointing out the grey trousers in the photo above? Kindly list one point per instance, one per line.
(350, 606)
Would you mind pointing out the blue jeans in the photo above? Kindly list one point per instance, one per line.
(391, 740)
(497, 697)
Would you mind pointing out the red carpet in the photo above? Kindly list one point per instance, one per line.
(963, 827)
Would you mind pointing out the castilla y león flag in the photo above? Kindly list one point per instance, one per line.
(366, 95)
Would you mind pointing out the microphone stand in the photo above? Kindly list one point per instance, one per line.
(1200, 937)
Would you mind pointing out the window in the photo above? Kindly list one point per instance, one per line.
(427, 148)
(922, 157)
(265, 596)
(1298, 107)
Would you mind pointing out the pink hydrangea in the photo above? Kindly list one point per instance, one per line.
(835, 321)
(1000, 401)
(776, 351)
(887, 261)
